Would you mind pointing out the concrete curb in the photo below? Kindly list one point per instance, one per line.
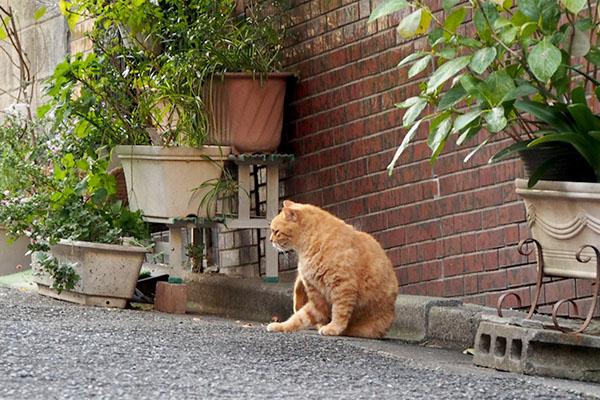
(443, 322)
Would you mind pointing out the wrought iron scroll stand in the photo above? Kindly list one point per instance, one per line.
(526, 251)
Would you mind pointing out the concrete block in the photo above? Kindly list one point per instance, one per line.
(171, 297)
(454, 327)
(412, 313)
(229, 258)
(534, 351)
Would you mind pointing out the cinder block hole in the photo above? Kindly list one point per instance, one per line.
(484, 343)
(500, 346)
(516, 348)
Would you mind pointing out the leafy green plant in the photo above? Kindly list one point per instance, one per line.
(573, 125)
(64, 276)
(535, 50)
(56, 189)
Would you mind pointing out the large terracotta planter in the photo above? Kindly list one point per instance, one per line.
(108, 273)
(246, 113)
(563, 217)
(163, 181)
(12, 256)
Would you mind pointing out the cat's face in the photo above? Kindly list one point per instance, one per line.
(285, 228)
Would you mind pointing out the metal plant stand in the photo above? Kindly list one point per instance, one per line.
(244, 220)
(524, 249)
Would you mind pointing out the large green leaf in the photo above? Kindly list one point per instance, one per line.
(386, 8)
(411, 57)
(496, 121)
(585, 121)
(410, 102)
(419, 66)
(523, 90)
(574, 5)
(452, 97)
(453, 21)
(544, 59)
(575, 42)
(593, 56)
(413, 112)
(497, 85)
(545, 113)
(482, 59)
(3, 34)
(578, 95)
(462, 121)
(446, 71)
(409, 25)
(439, 134)
(475, 87)
(405, 142)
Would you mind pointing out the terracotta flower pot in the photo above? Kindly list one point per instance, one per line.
(246, 113)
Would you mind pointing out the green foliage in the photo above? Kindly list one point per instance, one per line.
(54, 188)
(521, 59)
(64, 276)
(146, 81)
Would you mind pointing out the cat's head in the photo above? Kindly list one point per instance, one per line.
(286, 227)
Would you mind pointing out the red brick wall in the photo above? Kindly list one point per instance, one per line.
(450, 229)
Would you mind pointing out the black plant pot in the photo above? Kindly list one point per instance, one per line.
(561, 163)
(146, 287)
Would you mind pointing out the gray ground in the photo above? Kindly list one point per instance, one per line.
(51, 350)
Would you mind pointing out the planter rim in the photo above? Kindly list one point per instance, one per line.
(173, 153)
(269, 75)
(102, 246)
(575, 190)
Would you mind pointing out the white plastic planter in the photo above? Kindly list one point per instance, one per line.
(108, 273)
(163, 181)
(563, 217)
(12, 255)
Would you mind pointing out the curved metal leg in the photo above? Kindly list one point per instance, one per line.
(590, 314)
(504, 296)
(524, 250)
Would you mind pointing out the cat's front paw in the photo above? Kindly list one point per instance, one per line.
(330, 330)
(275, 327)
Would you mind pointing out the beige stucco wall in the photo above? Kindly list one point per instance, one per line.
(46, 42)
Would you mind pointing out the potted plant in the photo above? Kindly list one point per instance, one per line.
(138, 97)
(63, 202)
(530, 51)
(524, 70)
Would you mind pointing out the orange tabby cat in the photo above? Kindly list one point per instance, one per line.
(346, 284)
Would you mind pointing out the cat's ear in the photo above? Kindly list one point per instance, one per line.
(288, 203)
(290, 215)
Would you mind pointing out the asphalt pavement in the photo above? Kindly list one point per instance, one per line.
(55, 350)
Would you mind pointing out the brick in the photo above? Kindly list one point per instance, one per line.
(490, 239)
(170, 298)
(562, 289)
(492, 280)
(471, 284)
(454, 266)
(431, 270)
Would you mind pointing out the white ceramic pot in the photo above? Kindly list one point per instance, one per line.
(563, 217)
(108, 272)
(163, 181)
(13, 255)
